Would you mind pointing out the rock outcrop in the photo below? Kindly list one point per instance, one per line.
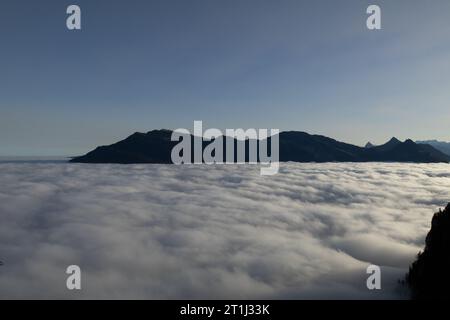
(429, 275)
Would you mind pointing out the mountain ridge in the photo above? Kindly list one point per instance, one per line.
(155, 147)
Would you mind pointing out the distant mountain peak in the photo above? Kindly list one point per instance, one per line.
(394, 140)
(369, 145)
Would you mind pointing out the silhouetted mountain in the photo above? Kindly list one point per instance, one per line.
(369, 145)
(429, 276)
(155, 147)
(303, 147)
(439, 145)
(151, 147)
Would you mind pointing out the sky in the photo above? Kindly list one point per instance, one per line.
(288, 64)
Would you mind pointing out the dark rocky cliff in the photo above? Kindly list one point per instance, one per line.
(429, 275)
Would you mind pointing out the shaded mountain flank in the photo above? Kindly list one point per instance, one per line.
(429, 276)
(156, 146)
(439, 145)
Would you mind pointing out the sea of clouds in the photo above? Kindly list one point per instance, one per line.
(165, 231)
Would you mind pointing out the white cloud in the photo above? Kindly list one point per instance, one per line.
(161, 231)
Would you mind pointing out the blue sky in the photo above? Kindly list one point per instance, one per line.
(287, 64)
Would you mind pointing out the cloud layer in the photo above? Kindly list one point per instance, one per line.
(162, 231)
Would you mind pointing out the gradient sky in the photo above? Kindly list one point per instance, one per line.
(289, 64)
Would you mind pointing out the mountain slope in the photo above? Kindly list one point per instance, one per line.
(151, 147)
(439, 145)
(156, 146)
